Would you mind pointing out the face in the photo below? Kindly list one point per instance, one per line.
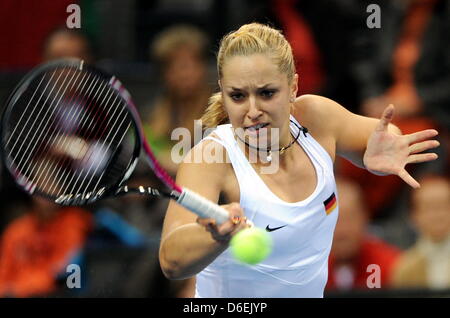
(257, 96)
(431, 209)
(62, 46)
(185, 72)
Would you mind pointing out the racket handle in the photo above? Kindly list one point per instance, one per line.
(203, 207)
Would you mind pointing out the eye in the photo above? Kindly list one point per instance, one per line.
(237, 96)
(267, 93)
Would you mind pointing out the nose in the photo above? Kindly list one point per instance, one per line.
(253, 111)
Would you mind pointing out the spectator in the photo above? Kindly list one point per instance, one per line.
(413, 70)
(427, 263)
(38, 244)
(63, 43)
(408, 67)
(180, 51)
(353, 248)
(59, 43)
(36, 248)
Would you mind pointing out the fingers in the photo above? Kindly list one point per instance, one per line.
(421, 135)
(408, 179)
(237, 219)
(423, 146)
(235, 210)
(206, 222)
(424, 157)
(417, 157)
(223, 232)
(386, 118)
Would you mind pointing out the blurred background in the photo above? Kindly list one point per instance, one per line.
(164, 53)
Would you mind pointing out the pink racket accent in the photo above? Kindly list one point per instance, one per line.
(160, 172)
(154, 164)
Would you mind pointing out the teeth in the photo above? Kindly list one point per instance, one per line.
(256, 127)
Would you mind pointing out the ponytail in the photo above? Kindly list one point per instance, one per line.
(215, 114)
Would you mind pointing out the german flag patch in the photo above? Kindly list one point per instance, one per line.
(330, 204)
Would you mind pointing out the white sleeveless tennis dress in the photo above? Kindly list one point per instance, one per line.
(298, 264)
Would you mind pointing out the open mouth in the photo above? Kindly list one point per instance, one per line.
(257, 127)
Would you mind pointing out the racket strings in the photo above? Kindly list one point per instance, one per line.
(19, 122)
(24, 112)
(63, 144)
(111, 142)
(46, 140)
(34, 117)
(103, 150)
(66, 150)
(70, 141)
(44, 146)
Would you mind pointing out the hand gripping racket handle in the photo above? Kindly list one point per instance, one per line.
(203, 207)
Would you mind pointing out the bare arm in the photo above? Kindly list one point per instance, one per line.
(352, 133)
(187, 246)
(374, 144)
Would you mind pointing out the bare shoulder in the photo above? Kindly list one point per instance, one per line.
(318, 113)
(199, 174)
(309, 103)
(336, 126)
(206, 163)
(321, 116)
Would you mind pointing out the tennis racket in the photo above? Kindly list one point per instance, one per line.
(72, 134)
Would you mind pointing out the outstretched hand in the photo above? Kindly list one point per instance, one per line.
(389, 153)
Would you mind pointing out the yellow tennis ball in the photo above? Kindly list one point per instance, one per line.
(251, 245)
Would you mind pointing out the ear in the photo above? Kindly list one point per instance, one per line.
(220, 84)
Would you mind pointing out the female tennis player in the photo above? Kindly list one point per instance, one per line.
(296, 204)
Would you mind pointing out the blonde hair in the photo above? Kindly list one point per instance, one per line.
(254, 38)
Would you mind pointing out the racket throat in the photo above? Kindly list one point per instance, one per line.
(80, 198)
(91, 197)
(146, 191)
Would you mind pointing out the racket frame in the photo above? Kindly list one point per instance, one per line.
(185, 197)
(21, 87)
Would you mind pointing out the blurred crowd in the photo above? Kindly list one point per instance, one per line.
(387, 236)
